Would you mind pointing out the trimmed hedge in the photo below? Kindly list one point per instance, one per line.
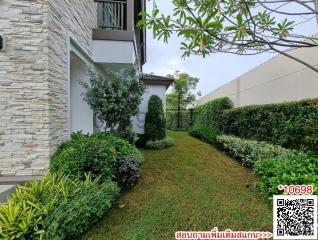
(172, 120)
(204, 133)
(298, 169)
(292, 125)
(74, 215)
(95, 154)
(249, 151)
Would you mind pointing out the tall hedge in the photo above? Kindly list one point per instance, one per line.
(210, 114)
(155, 122)
(291, 124)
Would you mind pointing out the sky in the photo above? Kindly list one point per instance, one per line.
(214, 70)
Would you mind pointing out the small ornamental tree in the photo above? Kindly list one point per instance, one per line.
(155, 122)
(115, 97)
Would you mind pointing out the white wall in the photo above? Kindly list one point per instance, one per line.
(81, 113)
(277, 80)
(113, 51)
(139, 119)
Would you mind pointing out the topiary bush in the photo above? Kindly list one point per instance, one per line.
(85, 154)
(155, 122)
(249, 151)
(128, 173)
(298, 169)
(74, 215)
(292, 124)
(159, 144)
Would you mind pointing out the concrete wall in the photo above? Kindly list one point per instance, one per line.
(277, 80)
(139, 120)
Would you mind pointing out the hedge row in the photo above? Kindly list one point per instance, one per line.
(292, 125)
(248, 152)
(172, 120)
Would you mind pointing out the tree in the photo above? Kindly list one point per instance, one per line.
(155, 121)
(181, 95)
(244, 27)
(115, 97)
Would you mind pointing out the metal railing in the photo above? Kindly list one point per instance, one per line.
(112, 14)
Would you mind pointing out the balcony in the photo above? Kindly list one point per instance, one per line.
(116, 21)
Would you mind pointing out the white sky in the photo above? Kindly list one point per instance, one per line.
(214, 70)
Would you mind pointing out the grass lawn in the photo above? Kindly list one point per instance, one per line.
(191, 186)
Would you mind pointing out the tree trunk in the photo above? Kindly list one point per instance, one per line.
(178, 121)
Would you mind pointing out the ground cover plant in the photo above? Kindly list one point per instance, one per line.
(190, 186)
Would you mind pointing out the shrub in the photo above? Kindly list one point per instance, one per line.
(298, 169)
(141, 142)
(122, 147)
(96, 154)
(155, 122)
(159, 144)
(85, 154)
(128, 172)
(292, 125)
(249, 151)
(22, 217)
(204, 133)
(76, 214)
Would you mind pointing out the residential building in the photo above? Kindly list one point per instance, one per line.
(49, 47)
(279, 79)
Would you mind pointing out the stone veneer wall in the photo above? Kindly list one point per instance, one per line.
(24, 95)
(34, 78)
(76, 18)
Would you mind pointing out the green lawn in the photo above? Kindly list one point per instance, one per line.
(191, 186)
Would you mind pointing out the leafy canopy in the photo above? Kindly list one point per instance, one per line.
(238, 27)
(182, 92)
(115, 97)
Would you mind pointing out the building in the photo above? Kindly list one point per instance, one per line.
(277, 80)
(46, 49)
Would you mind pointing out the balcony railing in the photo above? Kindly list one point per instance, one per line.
(112, 14)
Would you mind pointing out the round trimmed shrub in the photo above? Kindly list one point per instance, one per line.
(160, 144)
(155, 122)
(85, 154)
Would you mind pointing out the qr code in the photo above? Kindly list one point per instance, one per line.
(295, 217)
